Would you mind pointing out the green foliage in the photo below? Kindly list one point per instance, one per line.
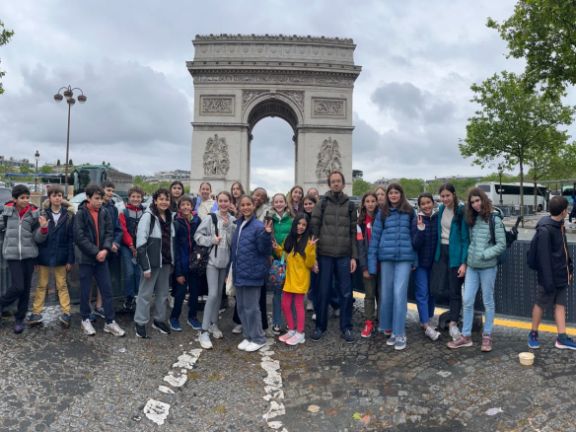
(5, 36)
(25, 169)
(462, 185)
(515, 125)
(543, 32)
(360, 187)
(412, 187)
(46, 169)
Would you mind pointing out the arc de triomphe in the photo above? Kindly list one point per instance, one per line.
(239, 80)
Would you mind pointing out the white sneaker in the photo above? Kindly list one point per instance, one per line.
(253, 346)
(237, 329)
(88, 328)
(314, 317)
(298, 338)
(216, 332)
(454, 332)
(432, 333)
(287, 335)
(309, 306)
(114, 329)
(242, 345)
(204, 340)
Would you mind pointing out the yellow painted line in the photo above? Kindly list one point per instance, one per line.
(502, 322)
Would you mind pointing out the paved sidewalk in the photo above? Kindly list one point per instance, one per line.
(54, 379)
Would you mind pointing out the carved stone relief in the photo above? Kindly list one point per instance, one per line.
(219, 105)
(216, 157)
(296, 96)
(329, 159)
(329, 107)
(300, 79)
(249, 95)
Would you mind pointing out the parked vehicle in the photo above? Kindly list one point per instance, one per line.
(78, 199)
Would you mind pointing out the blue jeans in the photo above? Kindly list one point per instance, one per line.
(192, 285)
(131, 272)
(476, 278)
(424, 299)
(101, 273)
(340, 268)
(395, 277)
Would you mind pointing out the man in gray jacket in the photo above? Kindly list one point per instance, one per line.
(334, 222)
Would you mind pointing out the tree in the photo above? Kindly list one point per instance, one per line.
(5, 36)
(360, 187)
(544, 32)
(412, 187)
(46, 169)
(515, 124)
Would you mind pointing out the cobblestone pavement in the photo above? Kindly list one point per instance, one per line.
(53, 379)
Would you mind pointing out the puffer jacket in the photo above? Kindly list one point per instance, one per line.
(205, 234)
(554, 261)
(251, 249)
(113, 210)
(58, 249)
(149, 242)
(23, 234)
(424, 242)
(184, 231)
(391, 242)
(459, 237)
(482, 253)
(86, 246)
(336, 228)
(362, 242)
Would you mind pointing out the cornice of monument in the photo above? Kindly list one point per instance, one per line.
(280, 38)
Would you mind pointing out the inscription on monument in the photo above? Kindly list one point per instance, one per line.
(329, 107)
(220, 105)
(329, 159)
(216, 157)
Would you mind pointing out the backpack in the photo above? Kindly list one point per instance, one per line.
(532, 254)
(201, 254)
(511, 235)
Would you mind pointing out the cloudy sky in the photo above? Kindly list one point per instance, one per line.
(411, 101)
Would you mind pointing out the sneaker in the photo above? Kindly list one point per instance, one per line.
(270, 333)
(562, 342)
(34, 319)
(486, 343)
(253, 346)
(317, 334)
(296, 339)
(175, 325)
(141, 331)
(18, 326)
(454, 332)
(461, 342)
(204, 340)
(99, 312)
(368, 329)
(313, 317)
(287, 335)
(309, 306)
(400, 343)
(129, 304)
(92, 317)
(387, 332)
(391, 340)
(533, 340)
(237, 329)
(242, 345)
(114, 329)
(276, 329)
(194, 323)
(432, 333)
(161, 327)
(348, 336)
(87, 327)
(216, 332)
(65, 319)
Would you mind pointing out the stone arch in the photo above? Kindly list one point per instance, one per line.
(241, 79)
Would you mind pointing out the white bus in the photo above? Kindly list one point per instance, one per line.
(511, 194)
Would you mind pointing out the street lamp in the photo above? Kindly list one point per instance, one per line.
(68, 93)
(37, 157)
(500, 171)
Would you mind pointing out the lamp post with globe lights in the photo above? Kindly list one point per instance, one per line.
(68, 93)
(37, 157)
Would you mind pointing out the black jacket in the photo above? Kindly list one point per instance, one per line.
(85, 234)
(554, 262)
(58, 249)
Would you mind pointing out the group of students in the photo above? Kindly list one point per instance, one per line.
(310, 244)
